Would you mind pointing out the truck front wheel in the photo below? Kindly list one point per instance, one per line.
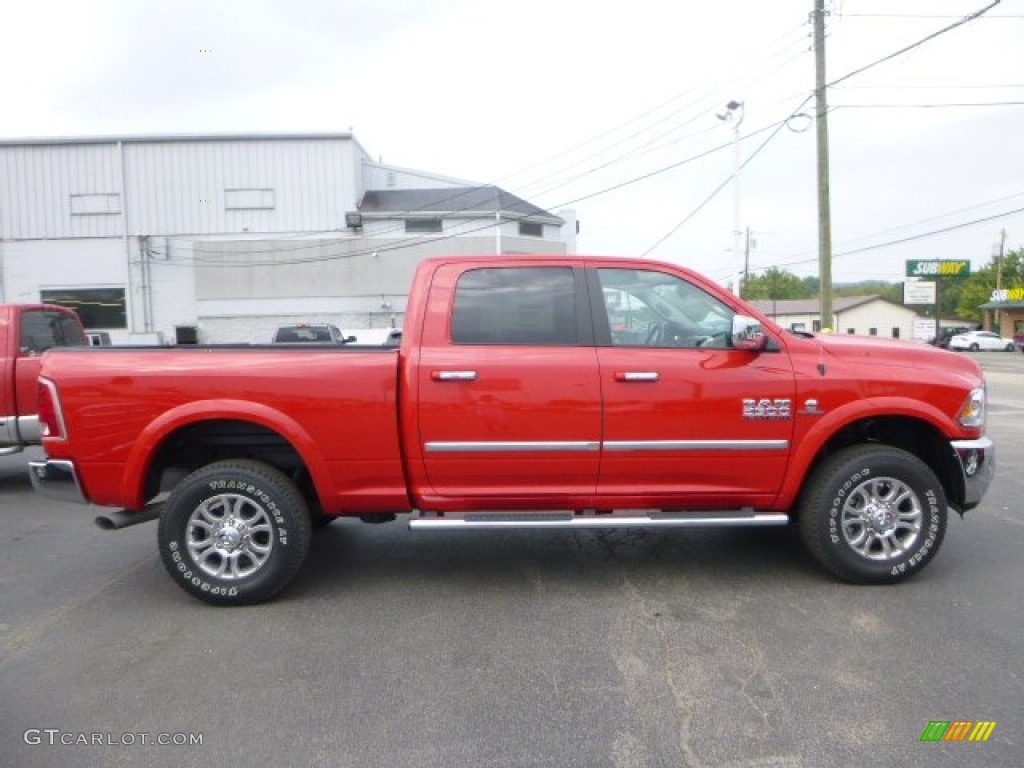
(873, 514)
(234, 532)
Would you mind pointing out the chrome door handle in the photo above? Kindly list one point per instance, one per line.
(631, 376)
(453, 375)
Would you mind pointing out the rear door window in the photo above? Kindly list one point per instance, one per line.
(516, 305)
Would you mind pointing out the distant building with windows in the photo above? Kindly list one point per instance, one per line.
(860, 315)
(221, 238)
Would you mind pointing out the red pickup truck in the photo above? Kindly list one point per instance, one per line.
(540, 392)
(26, 331)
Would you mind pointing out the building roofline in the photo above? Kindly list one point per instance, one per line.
(171, 137)
(386, 167)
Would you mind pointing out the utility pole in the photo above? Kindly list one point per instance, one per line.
(733, 115)
(746, 264)
(824, 203)
(999, 278)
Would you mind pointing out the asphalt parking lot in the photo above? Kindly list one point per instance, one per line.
(621, 649)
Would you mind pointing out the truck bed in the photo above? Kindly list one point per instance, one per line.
(333, 408)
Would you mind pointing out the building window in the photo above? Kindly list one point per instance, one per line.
(248, 199)
(98, 307)
(851, 331)
(95, 205)
(816, 325)
(895, 333)
(872, 331)
(531, 229)
(516, 305)
(422, 226)
(797, 326)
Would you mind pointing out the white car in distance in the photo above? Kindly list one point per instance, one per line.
(982, 340)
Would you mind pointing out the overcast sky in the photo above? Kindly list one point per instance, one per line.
(607, 108)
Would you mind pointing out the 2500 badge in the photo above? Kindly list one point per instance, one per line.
(767, 409)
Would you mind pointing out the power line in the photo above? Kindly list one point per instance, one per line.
(411, 242)
(924, 16)
(900, 241)
(970, 17)
(945, 105)
(405, 243)
(722, 186)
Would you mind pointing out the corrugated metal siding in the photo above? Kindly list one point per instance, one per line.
(179, 188)
(36, 185)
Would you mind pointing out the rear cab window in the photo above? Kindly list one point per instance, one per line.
(43, 329)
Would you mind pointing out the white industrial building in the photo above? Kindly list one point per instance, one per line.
(215, 239)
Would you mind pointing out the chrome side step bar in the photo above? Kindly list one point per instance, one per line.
(589, 519)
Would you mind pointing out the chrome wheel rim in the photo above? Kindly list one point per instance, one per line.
(882, 518)
(229, 536)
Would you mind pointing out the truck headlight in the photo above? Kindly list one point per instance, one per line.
(972, 412)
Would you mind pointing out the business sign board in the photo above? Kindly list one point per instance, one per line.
(924, 328)
(938, 268)
(919, 292)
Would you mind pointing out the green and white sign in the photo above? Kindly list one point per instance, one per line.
(938, 268)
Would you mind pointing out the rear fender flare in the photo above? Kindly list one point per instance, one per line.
(156, 432)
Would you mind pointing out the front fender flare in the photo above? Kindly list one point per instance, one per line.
(809, 445)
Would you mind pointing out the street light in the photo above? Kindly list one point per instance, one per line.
(733, 116)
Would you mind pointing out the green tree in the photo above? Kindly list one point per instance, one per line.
(775, 283)
(890, 291)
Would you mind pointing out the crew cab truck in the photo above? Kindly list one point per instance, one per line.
(26, 331)
(537, 392)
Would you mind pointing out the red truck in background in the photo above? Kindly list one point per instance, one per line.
(26, 331)
(539, 392)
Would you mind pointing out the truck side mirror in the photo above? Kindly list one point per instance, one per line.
(747, 333)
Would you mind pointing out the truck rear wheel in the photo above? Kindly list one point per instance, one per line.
(873, 514)
(234, 532)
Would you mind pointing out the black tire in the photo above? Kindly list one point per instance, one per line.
(234, 532)
(974, 347)
(1010, 347)
(873, 514)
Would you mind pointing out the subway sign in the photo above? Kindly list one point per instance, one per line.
(938, 268)
(1003, 295)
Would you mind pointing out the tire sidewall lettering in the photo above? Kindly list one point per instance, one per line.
(931, 532)
(837, 503)
(929, 529)
(284, 511)
(835, 484)
(258, 495)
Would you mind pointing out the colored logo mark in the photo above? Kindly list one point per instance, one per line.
(958, 730)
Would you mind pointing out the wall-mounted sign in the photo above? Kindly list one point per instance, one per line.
(1008, 294)
(938, 267)
(919, 292)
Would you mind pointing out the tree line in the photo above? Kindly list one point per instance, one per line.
(958, 296)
